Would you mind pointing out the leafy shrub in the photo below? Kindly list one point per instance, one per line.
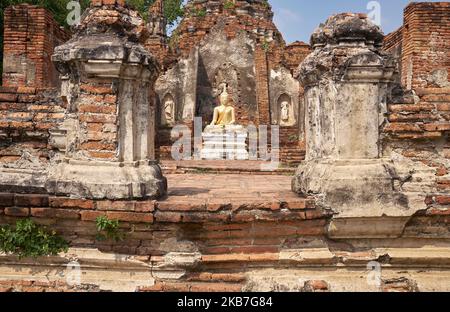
(108, 229)
(228, 5)
(30, 240)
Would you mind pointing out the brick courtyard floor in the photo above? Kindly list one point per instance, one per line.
(202, 189)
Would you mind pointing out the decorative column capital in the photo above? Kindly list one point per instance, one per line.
(347, 28)
(346, 48)
(107, 44)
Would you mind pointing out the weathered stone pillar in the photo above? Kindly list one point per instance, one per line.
(345, 81)
(108, 79)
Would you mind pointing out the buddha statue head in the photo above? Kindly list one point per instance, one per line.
(224, 96)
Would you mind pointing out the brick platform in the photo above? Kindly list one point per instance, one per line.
(233, 190)
(193, 198)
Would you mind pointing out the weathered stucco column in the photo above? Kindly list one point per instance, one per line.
(346, 81)
(107, 82)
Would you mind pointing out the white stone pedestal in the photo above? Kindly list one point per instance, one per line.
(227, 142)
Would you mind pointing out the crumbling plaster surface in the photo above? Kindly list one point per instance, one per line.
(283, 83)
(17, 68)
(347, 280)
(180, 82)
(305, 269)
(83, 268)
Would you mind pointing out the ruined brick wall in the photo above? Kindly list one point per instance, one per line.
(156, 44)
(393, 41)
(26, 116)
(155, 222)
(98, 120)
(240, 15)
(262, 86)
(225, 247)
(295, 53)
(418, 117)
(425, 42)
(427, 116)
(421, 46)
(393, 44)
(418, 129)
(30, 36)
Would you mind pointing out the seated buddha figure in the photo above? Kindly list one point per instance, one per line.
(224, 113)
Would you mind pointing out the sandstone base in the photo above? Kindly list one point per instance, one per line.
(16, 180)
(357, 187)
(106, 180)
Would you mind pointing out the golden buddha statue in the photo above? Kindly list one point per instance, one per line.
(223, 114)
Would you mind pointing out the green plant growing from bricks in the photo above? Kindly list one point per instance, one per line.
(108, 229)
(27, 239)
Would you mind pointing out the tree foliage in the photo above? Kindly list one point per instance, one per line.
(173, 10)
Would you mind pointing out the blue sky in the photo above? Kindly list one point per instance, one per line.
(297, 19)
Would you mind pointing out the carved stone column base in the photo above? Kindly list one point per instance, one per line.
(16, 180)
(355, 188)
(107, 180)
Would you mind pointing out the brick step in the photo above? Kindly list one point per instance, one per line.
(298, 158)
(222, 167)
(293, 152)
(295, 148)
(292, 155)
(289, 171)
